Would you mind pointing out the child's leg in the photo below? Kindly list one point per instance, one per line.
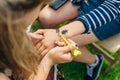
(93, 62)
(82, 40)
(50, 18)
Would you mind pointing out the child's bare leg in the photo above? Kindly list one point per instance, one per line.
(86, 56)
(50, 18)
(82, 40)
(93, 62)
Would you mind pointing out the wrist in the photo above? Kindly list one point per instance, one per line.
(47, 61)
(43, 69)
(73, 28)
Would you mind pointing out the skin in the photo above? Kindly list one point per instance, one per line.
(50, 18)
(63, 55)
(63, 52)
(51, 57)
(3, 77)
(51, 36)
(47, 20)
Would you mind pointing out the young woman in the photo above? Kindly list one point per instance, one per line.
(19, 59)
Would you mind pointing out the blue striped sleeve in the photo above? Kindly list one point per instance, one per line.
(106, 12)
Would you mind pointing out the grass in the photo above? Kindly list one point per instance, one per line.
(76, 70)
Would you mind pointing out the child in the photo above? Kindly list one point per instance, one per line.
(99, 19)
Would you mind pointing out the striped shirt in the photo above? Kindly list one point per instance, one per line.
(106, 12)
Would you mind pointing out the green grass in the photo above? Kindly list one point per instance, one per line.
(76, 70)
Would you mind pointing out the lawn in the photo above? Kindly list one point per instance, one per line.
(76, 70)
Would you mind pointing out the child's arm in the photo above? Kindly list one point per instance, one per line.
(50, 35)
(73, 28)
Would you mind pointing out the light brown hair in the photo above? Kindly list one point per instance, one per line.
(16, 50)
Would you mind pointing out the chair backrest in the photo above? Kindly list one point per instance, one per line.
(112, 44)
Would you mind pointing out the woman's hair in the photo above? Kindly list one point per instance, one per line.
(24, 4)
(16, 50)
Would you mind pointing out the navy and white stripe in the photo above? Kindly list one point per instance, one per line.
(106, 12)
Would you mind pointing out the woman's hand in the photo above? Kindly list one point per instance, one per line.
(50, 36)
(36, 37)
(60, 54)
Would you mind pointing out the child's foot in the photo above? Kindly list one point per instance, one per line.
(94, 71)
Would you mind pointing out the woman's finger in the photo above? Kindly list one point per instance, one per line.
(41, 49)
(66, 49)
(38, 45)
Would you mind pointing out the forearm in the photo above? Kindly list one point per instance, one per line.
(73, 28)
(43, 70)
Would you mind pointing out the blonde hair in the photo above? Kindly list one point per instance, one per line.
(16, 50)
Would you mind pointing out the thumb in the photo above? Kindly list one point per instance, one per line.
(39, 32)
(35, 36)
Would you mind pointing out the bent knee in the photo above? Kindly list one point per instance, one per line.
(47, 18)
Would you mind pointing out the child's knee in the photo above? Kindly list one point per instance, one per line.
(46, 19)
(45, 16)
